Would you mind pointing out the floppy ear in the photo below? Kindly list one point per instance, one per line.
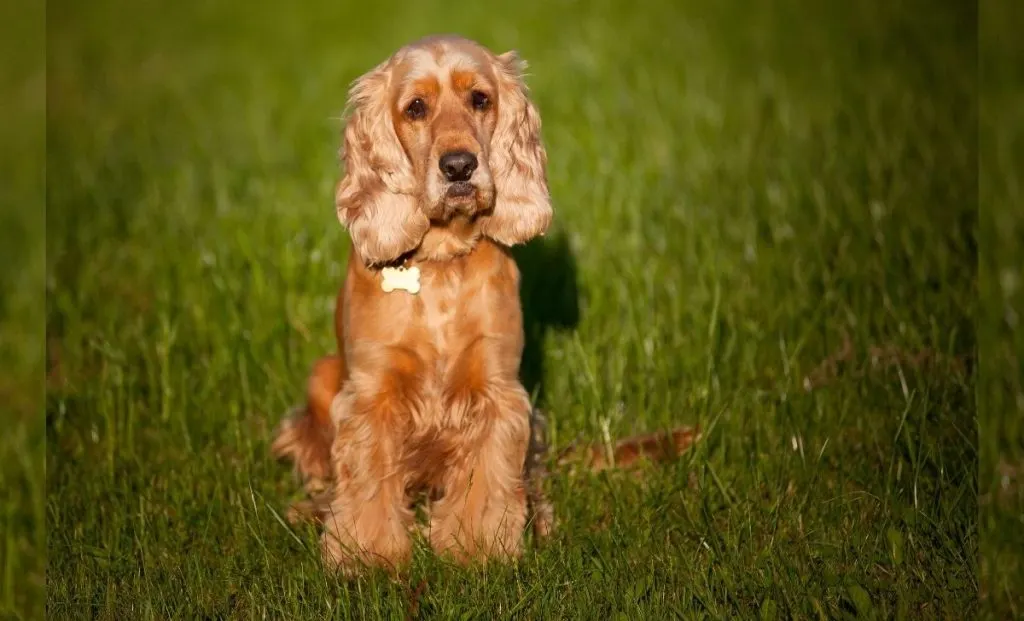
(518, 161)
(377, 198)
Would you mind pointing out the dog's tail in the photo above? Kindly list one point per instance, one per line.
(656, 447)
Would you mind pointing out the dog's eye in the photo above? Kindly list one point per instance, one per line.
(480, 100)
(416, 109)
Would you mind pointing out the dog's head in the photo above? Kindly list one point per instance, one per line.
(442, 129)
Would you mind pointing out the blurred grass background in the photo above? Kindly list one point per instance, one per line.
(22, 267)
(738, 187)
(1001, 292)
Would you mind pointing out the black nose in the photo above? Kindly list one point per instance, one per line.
(458, 165)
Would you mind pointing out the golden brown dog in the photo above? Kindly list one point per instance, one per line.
(444, 171)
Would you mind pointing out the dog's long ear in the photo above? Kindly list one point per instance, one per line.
(518, 161)
(377, 198)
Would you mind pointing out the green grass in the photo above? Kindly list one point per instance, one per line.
(1000, 337)
(22, 270)
(737, 186)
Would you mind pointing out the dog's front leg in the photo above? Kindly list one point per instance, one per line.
(368, 516)
(483, 511)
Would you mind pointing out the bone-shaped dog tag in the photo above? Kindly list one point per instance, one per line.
(400, 278)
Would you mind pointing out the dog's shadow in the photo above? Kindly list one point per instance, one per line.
(550, 299)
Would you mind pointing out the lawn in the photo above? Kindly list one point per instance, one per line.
(1000, 334)
(766, 222)
(22, 270)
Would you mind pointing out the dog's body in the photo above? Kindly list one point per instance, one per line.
(444, 171)
(433, 403)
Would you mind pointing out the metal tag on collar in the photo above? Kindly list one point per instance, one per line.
(405, 278)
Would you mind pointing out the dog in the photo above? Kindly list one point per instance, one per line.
(444, 172)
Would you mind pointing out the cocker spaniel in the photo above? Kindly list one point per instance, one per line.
(444, 171)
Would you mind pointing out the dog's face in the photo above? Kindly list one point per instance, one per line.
(443, 129)
(444, 110)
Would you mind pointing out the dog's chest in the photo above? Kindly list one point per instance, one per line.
(444, 317)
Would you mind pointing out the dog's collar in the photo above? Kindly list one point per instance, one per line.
(400, 262)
